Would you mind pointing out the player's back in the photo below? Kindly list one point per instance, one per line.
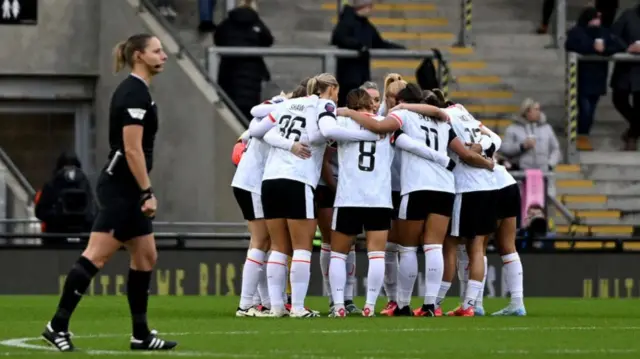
(468, 178)
(419, 174)
(364, 170)
(296, 119)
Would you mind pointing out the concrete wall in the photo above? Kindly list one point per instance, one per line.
(64, 42)
(193, 171)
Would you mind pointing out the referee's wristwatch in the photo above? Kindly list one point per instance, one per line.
(146, 194)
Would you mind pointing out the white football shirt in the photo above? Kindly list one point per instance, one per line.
(396, 164)
(364, 169)
(468, 178)
(297, 119)
(417, 173)
(503, 177)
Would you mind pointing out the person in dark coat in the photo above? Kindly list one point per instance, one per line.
(606, 8)
(354, 31)
(241, 77)
(588, 37)
(625, 80)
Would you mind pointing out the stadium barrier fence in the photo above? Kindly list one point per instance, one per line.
(215, 271)
(571, 94)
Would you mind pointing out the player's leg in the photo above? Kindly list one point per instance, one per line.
(479, 306)
(449, 272)
(412, 214)
(350, 288)
(391, 259)
(254, 268)
(324, 223)
(346, 224)
(377, 222)
(506, 239)
(435, 232)
(99, 250)
(142, 250)
(302, 224)
(475, 250)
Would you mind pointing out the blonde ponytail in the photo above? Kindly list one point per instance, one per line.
(312, 86)
(119, 60)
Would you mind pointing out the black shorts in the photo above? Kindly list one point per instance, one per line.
(325, 197)
(416, 206)
(508, 202)
(395, 199)
(250, 204)
(289, 199)
(474, 214)
(119, 210)
(353, 220)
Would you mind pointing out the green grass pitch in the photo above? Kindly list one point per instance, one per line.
(206, 327)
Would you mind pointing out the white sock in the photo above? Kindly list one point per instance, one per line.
(263, 289)
(325, 257)
(287, 273)
(251, 276)
(407, 273)
(338, 277)
(300, 276)
(473, 288)
(513, 271)
(442, 293)
(463, 269)
(276, 278)
(375, 277)
(351, 275)
(391, 272)
(480, 298)
(434, 267)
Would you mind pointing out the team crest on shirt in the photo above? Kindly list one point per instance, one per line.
(329, 107)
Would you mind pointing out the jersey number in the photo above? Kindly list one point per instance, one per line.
(428, 132)
(367, 159)
(473, 133)
(292, 126)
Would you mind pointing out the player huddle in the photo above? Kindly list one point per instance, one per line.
(410, 170)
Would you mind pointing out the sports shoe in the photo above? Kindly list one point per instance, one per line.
(513, 312)
(452, 312)
(59, 340)
(425, 311)
(288, 307)
(277, 313)
(249, 312)
(340, 312)
(438, 312)
(459, 312)
(389, 308)
(304, 313)
(479, 311)
(351, 307)
(152, 342)
(402, 312)
(368, 312)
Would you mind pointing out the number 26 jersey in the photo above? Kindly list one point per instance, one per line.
(417, 173)
(364, 170)
(297, 119)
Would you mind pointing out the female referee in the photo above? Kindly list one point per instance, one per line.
(127, 202)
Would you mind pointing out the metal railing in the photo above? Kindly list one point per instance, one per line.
(559, 26)
(17, 174)
(571, 94)
(147, 5)
(328, 56)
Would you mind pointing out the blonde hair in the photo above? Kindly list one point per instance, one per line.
(320, 83)
(527, 104)
(369, 85)
(388, 80)
(249, 3)
(123, 51)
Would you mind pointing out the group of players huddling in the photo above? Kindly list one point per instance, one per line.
(411, 169)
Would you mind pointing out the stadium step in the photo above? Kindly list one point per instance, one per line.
(415, 22)
(388, 7)
(622, 231)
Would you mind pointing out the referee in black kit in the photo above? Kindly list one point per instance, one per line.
(126, 201)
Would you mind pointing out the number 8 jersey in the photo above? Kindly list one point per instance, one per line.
(364, 170)
(297, 119)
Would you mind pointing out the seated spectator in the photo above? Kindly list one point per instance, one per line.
(241, 77)
(588, 37)
(205, 11)
(530, 142)
(534, 228)
(354, 31)
(65, 203)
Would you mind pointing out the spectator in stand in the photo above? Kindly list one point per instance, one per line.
(588, 37)
(607, 9)
(65, 204)
(205, 10)
(530, 142)
(166, 8)
(354, 31)
(241, 77)
(625, 80)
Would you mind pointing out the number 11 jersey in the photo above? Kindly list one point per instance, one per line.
(417, 173)
(297, 119)
(364, 171)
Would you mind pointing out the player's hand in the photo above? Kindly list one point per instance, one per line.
(475, 147)
(444, 117)
(150, 206)
(490, 164)
(301, 150)
(529, 143)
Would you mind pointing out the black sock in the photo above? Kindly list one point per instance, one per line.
(138, 297)
(75, 285)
